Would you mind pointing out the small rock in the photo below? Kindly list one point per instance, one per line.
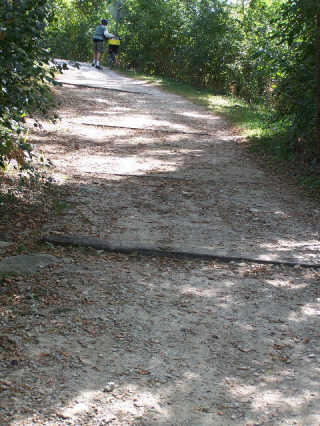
(109, 387)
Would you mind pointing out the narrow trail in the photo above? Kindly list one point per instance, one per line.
(128, 340)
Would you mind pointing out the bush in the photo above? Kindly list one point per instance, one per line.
(24, 73)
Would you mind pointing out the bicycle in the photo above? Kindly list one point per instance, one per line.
(113, 50)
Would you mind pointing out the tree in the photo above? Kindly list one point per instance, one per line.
(297, 93)
(24, 72)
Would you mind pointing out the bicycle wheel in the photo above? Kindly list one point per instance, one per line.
(111, 59)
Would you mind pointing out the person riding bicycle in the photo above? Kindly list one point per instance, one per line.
(101, 33)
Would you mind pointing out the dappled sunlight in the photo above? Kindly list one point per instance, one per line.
(284, 244)
(199, 115)
(190, 375)
(136, 402)
(188, 290)
(115, 109)
(299, 316)
(293, 249)
(267, 397)
(270, 397)
(135, 121)
(120, 165)
(79, 405)
(73, 141)
(199, 289)
(312, 309)
(306, 312)
(221, 101)
(287, 285)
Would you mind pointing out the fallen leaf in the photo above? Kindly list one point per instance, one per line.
(144, 372)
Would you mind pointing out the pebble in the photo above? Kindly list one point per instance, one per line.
(109, 387)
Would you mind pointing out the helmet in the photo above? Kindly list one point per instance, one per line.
(104, 22)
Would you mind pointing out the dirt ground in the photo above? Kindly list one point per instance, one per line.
(103, 338)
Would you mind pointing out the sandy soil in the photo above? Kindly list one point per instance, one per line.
(109, 339)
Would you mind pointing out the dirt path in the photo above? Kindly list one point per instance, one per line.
(109, 339)
(173, 175)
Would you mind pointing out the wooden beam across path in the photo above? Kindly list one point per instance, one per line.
(146, 129)
(155, 176)
(130, 247)
(90, 86)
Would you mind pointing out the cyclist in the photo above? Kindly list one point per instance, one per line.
(100, 35)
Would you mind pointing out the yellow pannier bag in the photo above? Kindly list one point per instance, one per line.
(113, 42)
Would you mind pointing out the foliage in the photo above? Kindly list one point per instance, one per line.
(24, 73)
(277, 64)
(257, 62)
(69, 35)
(295, 92)
(191, 41)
